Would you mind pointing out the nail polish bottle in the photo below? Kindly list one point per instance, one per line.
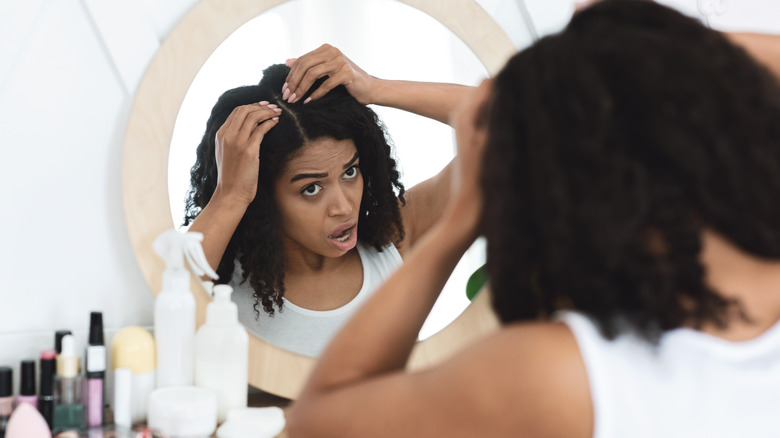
(6, 397)
(27, 384)
(46, 399)
(68, 411)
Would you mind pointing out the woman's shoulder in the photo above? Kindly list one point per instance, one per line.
(533, 373)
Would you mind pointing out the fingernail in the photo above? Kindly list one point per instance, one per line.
(273, 105)
(292, 98)
(285, 93)
(308, 99)
(284, 87)
(264, 102)
(275, 119)
(278, 110)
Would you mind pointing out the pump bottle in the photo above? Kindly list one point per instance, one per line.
(222, 353)
(174, 307)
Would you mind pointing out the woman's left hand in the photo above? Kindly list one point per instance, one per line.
(326, 61)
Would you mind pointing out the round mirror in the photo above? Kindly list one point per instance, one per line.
(427, 52)
(222, 45)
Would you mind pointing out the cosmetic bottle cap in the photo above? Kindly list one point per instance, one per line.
(47, 372)
(95, 356)
(173, 246)
(6, 381)
(68, 363)
(222, 311)
(27, 382)
(133, 347)
(58, 335)
(96, 328)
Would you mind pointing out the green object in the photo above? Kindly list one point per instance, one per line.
(68, 417)
(475, 283)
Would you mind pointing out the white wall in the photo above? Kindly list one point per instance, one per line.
(68, 71)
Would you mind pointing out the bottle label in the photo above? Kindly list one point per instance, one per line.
(96, 358)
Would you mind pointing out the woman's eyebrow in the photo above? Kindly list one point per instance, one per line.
(308, 175)
(301, 176)
(352, 161)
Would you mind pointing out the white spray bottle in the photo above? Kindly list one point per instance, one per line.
(174, 307)
(222, 353)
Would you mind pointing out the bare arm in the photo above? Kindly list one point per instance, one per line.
(428, 99)
(765, 48)
(237, 150)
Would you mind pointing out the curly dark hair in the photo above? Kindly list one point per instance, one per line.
(257, 241)
(611, 146)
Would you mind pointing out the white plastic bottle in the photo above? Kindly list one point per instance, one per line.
(174, 307)
(222, 353)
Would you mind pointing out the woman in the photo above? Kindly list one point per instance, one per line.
(629, 197)
(295, 188)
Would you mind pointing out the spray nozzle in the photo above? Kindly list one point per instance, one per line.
(174, 246)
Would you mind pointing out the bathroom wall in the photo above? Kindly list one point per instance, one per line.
(68, 72)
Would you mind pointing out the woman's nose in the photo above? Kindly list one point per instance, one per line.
(340, 203)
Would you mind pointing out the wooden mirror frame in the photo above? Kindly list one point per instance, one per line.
(145, 164)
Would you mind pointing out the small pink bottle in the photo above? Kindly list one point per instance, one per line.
(27, 384)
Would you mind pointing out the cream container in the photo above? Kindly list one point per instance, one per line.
(252, 423)
(183, 411)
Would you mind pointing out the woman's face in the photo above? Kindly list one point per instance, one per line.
(319, 194)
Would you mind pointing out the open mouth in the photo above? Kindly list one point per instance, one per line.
(343, 235)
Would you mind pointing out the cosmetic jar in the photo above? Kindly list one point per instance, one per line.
(183, 411)
(252, 423)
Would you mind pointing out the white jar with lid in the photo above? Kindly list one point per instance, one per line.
(183, 411)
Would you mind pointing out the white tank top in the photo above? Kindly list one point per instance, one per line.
(305, 331)
(691, 385)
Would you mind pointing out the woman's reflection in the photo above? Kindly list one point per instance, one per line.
(298, 196)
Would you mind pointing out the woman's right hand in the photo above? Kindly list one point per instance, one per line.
(237, 150)
(326, 61)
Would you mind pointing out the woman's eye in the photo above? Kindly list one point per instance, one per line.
(351, 172)
(311, 189)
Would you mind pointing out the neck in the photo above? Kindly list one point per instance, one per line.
(300, 261)
(752, 281)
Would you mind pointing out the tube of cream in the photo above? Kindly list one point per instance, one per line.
(96, 370)
(46, 400)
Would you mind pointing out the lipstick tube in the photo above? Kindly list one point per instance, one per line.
(46, 399)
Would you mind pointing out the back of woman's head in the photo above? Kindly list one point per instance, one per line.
(257, 240)
(611, 146)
